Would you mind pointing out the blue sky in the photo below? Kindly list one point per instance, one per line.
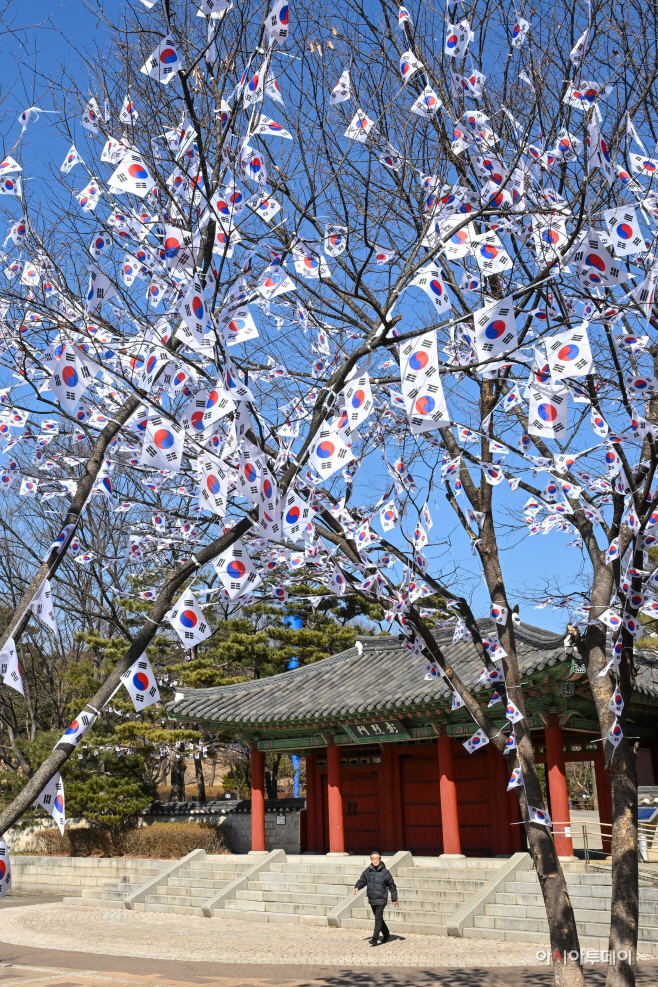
(37, 54)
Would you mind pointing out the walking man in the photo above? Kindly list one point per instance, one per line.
(377, 879)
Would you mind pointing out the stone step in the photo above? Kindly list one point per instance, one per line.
(449, 873)
(279, 907)
(293, 887)
(440, 884)
(120, 886)
(192, 881)
(411, 912)
(187, 890)
(97, 893)
(162, 898)
(328, 900)
(169, 908)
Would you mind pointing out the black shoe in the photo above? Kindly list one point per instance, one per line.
(373, 942)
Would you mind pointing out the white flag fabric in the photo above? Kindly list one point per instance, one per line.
(624, 230)
(495, 329)
(9, 667)
(430, 280)
(342, 90)
(51, 799)
(421, 384)
(188, 621)
(43, 607)
(213, 486)
(141, 683)
(277, 23)
(547, 414)
(329, 452)
(132, 175)
(360, 127)
(71, 160)
(83, 722)
(295, 515)
(358, 400)
(540, 816)
(236, 571)
(569, 353)
(478, 740)
(163, 444)
(5, 869)
(164, 63)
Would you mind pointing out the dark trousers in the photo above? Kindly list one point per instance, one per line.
(380, 924)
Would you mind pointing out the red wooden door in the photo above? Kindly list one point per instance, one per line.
(421, 807)
(473, 799)
(361, 816)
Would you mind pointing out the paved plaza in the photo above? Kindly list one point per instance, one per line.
(54, 945)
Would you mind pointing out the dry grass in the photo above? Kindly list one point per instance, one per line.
(163, 841)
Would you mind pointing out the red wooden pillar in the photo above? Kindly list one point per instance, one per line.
(503, 806)
(257, 799)
(448, 794)
(557, 784)
(604, 798)
(312, 797)
(386, 800)
(335, 801)
(495, 800)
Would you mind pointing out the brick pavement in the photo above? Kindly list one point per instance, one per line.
(53, 945)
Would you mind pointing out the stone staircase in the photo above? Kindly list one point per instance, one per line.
(300, 891)
(182, 892)
(479, 898)
(429, 895)
(517, 912)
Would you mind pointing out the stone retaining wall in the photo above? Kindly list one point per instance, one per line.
(69, 875)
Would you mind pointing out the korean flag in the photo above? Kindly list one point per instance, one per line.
(329, 453)
(296, 515)
(52, 800)
(163, 445)
(458, 39)
(132, 175)
(140, 682)
(164, 63)
(358, 400)
(569, 353)
(5, 869)
(188, 621)
(495, 329)
(479, 739)
(547, 413)
(213, 487)
(9, 667)
(388, 516)
(79, 726)
(430, 280)
(236, 572)
(624, 230)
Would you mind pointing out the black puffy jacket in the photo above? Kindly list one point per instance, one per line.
(378, 881)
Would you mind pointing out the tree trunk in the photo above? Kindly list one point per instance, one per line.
(177, 793)
(272, 777)
(200, 782)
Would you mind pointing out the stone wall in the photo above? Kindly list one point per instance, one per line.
(233, 819)
(69, 875)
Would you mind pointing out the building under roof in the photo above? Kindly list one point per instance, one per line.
(384, 752)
